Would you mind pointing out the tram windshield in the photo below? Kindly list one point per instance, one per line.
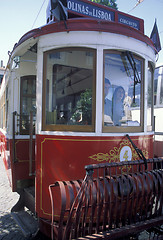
(122, 89)
(69, 89)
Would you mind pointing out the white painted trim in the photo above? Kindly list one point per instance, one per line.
(90, 134)
(99, 91)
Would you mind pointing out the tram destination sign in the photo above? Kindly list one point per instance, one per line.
(128, 21)
(90, 9)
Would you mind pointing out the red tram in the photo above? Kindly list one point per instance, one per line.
(88, 81)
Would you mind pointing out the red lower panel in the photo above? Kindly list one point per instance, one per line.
(64, 158)
(158, 148)
(18, 168)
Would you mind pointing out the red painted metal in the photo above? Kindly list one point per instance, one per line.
(62, 158)
(18, 170)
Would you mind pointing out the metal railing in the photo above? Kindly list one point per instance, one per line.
(114, 200)
(159, 133)
(21, 123)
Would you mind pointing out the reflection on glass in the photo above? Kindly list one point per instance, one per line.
(118, 105)
(161, 91)
(122, 89)
(69, 81)
(150, 97)
(155, 90)
(158, 86)
(28, 87)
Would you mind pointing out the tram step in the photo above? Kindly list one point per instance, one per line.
(26, 222)
(29, 198)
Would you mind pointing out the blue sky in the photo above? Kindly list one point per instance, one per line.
(19, 16)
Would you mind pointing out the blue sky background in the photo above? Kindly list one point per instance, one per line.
(19, 16)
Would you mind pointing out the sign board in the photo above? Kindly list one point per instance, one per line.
(129, 21)
(90, 10)
(101, 12)
(85, 8)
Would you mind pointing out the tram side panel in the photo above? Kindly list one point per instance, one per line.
(17, 168)
(20, 164)
(5, 155)
(24, 84)
(15, 153)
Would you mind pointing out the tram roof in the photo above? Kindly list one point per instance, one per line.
(85, 15)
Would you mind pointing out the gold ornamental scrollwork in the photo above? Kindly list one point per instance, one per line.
(114, 154)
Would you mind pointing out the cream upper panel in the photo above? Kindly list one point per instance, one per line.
(95, 40)
(28, 64)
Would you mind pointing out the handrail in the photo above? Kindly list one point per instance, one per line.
(13, 137)
(30, 143)
(158, 133)
(29, 130)
(21, 125)
(138, 151)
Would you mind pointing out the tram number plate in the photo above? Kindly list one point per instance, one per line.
(125, 154)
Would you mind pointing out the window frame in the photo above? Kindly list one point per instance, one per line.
(123, 129)
(64, 127)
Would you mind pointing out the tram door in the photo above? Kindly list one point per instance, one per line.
(24, 146)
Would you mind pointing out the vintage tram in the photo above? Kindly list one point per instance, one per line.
(77, 91)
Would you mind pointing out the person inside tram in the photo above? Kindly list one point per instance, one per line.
(118, 105)
(107, 103)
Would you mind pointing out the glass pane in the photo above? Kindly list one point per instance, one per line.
(150, 97)
(69, 82)
(122, 90)
(161, 91)
(155, 91)
(28, 102)
(29, 86)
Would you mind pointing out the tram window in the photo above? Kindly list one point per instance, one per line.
(158, 86)
(161, 91)
(123, 98)
(28, 102)
(4, 109)
(69, 93)
(150, 98)
(155, 90)
(6, 106)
